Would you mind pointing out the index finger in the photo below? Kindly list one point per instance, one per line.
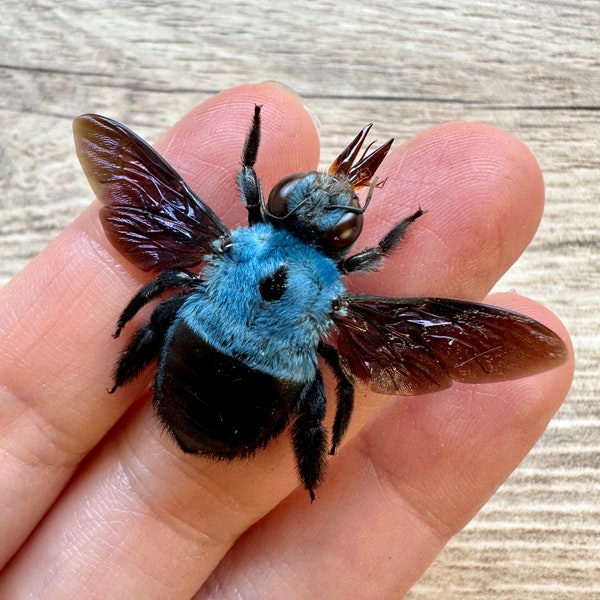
(56, 352)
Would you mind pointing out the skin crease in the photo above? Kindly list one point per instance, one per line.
(95, 498)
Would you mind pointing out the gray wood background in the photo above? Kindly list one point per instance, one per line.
(532, 68)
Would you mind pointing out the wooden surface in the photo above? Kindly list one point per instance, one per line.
(530, 68)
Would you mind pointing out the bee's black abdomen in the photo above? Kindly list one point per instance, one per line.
(215, 405)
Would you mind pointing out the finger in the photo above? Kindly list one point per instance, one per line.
(483, 193)
(397, 492)
(56, 352)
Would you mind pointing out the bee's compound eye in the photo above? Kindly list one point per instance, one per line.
(345, 232)
(281, 192)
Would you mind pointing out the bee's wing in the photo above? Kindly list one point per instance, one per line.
(150, 214)
(419, 345)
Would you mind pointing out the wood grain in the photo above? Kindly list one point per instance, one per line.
(530, 68)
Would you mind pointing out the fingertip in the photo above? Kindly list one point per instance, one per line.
(206, 145)
(483, 192)
(482, 162)
(462, 144)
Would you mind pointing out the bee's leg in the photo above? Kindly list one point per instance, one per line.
(147, 341)
(248, 183)
(309, 437)
(167, 280)
(344, 393)
(369, 259)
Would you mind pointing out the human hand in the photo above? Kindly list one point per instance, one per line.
(97, 500)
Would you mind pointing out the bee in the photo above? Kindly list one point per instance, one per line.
(243, 315)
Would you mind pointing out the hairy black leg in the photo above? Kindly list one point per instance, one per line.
(309, 437)
(344, 393)
(248, 182)
(370, 258)
(167, 280)
(147, 341)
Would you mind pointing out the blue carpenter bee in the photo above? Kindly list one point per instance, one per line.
(237, 344)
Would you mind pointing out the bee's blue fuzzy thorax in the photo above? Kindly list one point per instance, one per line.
(232, 315)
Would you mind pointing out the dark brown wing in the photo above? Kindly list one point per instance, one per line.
(414, 346)
(150, 215)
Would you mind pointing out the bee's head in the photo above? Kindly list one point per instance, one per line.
(322, 208)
